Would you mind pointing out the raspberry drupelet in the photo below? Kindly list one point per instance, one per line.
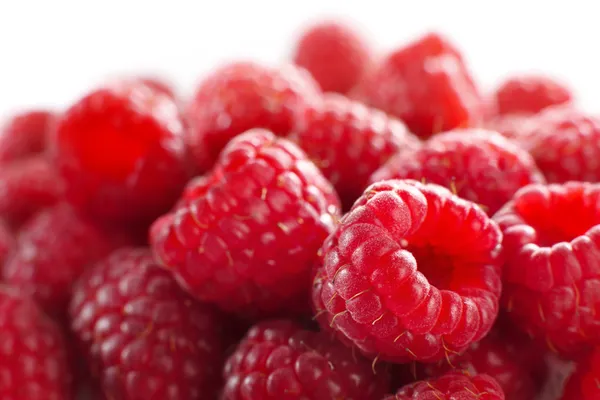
(121, 152)
(33, 357)
(529, 94)
(25, 134)
(349, 141)
(583, 383)
(551, 274)
(244, 95)
(425, 84)
(452, 386)
(277, 360)
(478, 165)
(249, 239)
(145, 338)
(411, 273)
(335, 54)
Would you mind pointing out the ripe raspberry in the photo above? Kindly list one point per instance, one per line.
(584, 383)
(143, 336)
(529, 95)
(25, 135)
(120, 150)
(52, 250)
(33, 359)
(278, 360)
(565, 144)
(452, 386)
(27, 186)
(479, 165)
(334, 54)
(502, 358)
(512, 126)
(427, 85)
(241, 96)
(410, 273)
(7, 242)
(349, 141)
(248, 243)
(552, 263)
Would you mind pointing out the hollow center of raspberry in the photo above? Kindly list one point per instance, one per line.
(562, 222)
(437, 267)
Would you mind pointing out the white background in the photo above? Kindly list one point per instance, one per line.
(52, 51)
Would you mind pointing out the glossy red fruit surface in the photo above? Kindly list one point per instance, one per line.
(452, 386)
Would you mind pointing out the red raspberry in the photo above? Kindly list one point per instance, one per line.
(427, 85)
(452, 386)
(349, 141)
(25, 135)
(52, 250)
(479, 165)
(503, 358)
(584, 383)
(529, 95)
(27, 186)
(143, 336)
(120, 150)
(7, 242)
(335, 55)
(552, 263)
(410, 273)
(33, 359)
(247, 243)
(512, 126)
(242, 96)
(565, 144)
(277, 360)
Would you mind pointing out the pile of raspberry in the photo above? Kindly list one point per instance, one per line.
(347, 225)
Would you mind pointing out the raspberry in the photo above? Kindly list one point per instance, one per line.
(33, 359)
(584, 383)
(121, 153)
(144, 337)
(349, 141)
(565, 144)
(52, 250)
(479, 165)
(512, 126)
(241, 96)
(7, 242)
(24, 135)
(427, 85)
(278, 360)
(552, 264)
(249, 241)
(411, 273)
(529, 95)
(452, 386)
(27, 186)
(503, 358)
(334, 54)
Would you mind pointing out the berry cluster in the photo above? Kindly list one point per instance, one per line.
(346, 226)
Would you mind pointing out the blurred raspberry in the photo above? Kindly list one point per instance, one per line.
(27, 186)
(25, 134)
(121, 152)
(478, 165)
(335, 54)
(427, 85)
(349, 141)
(33, 361)
(243, 95)
(529, 94)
